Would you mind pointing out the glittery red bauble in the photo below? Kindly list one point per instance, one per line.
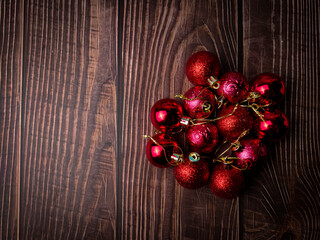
(166, 115)
(274, 127)
(201, 103)
(202, 138)
(201, 66)
(234, 87)
(226, 182)
(232, 126)
(251, 152)
(160, 155)
(270, 86)
(192, 175)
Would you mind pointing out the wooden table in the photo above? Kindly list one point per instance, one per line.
(78, 79)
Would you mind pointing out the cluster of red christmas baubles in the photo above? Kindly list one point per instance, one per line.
(228, 113)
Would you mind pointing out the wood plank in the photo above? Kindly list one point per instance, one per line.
(68, 172)
(11, 37)
(157, 39)
(283, 201)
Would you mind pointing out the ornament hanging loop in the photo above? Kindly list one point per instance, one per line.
(214, 82)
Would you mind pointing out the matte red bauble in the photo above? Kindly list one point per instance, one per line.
(160, 155)
(201, 66)
(234, 87)
(251, 152)
(270, 86)
(226, 182)
(192, 175)
(201, 103)
(202, 138)
(274, 127)
(166, 115)
(232, 126)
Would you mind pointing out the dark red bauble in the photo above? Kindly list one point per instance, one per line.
(251, 152)
(166, 114)
(232, 126)
(201, 104)
(202, 138)
(160, 155)
(274, 127)
(201, 66)
(271, 88)
(192, 175)
(234, 87)
(226, 182)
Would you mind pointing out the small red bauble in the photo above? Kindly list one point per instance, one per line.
(251, 152)
(232, 126)
(274, 127)
(201, 66)
(166, 115)
(234, 87)
(226, 182)
(202, 138)
(201, 103)
(160, 155)
(192, 175)
(270, 87)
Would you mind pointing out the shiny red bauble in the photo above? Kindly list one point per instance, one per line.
(201, 66)
(166, 114)
(251, 152)
(199, 103)
(160, 156)
(234, 87)
(274, 127)
(202, 138)
(232, 126)
(270, 87)
(226, 182)
(192, 175)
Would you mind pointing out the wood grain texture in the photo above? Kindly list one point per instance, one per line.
(157, 39)
(11, 39)
(283, 202)
(68, 172)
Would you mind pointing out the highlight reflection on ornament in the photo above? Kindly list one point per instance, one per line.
(274, 127)
(270, 87)
(166, 114)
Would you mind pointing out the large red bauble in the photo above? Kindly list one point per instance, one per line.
(202, 138)
(192, 175)
(201, 103)
(232, 126)
(226, 182)
(166, 114)
(159, 156)
(274, 127)
(252, 152)
(234, 87)
(201, 66)
(271, 88)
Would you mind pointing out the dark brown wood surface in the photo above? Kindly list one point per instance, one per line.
(11, 39)
(78, 79)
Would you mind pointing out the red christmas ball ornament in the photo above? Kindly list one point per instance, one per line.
(226, 182)
(251, 152)
(166, 114)
(202, 138)
(199, 102)
(270, 87)
(192, 175)
(231, 127)
(234, 87)
(274, 127)
(159, 154)
(201, 66)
